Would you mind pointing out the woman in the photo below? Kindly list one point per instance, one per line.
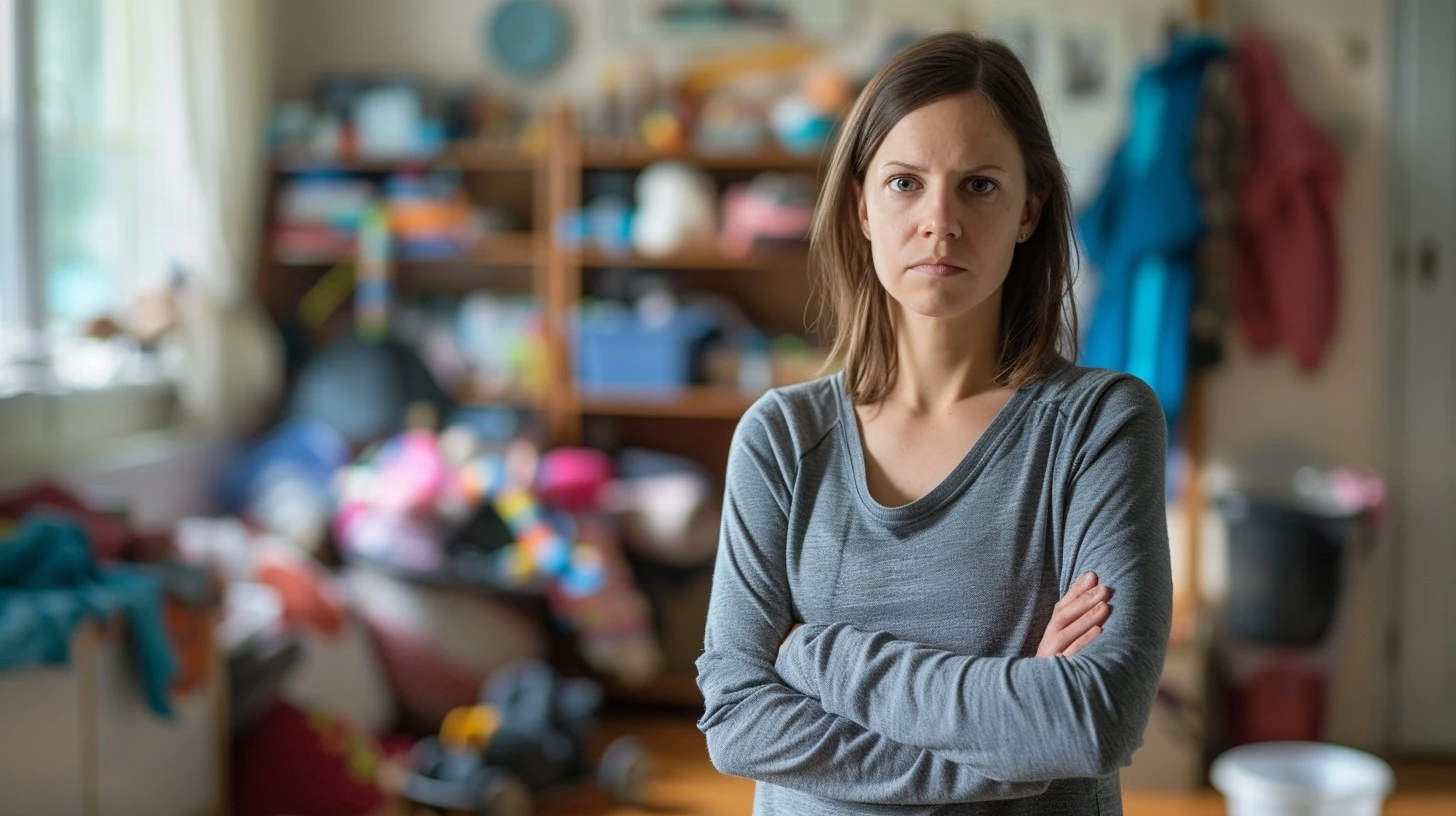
(885, 627)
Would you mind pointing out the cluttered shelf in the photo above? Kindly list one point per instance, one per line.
(466, 155)
(701, 258)
(691, 402)
(501, 250)
(606, 156)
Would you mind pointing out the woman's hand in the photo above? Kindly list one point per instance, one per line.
(1077, 619)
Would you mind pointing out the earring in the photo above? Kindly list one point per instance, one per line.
(1023, 236)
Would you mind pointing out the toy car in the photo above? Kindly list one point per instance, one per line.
(528, 735)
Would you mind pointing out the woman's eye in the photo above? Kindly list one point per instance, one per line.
(902, 184)
(982, 186)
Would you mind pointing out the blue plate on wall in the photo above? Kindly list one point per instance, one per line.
(528, 38)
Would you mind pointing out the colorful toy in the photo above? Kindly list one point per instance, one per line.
(606, 223)
(574, 557)
(528, 733)
(775, 209)
(386, 510)
(416, 507)
(663, 131)
(731, 122)
(284, 483)
(373, 292)
(799, 127)
(573, 479)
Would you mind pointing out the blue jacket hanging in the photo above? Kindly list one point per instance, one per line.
(1141, 232)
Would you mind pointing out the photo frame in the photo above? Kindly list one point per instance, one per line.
(670, 22)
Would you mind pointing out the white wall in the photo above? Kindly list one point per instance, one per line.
(1336, 414)
(443, 41)
(1339, 413)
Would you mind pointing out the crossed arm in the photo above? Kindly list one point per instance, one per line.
(957, 728)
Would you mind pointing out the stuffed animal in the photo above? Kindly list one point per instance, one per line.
(676, 207)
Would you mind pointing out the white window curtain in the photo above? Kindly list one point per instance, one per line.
(210, 88)
(148, 124)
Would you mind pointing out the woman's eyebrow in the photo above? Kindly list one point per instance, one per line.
(918, 169)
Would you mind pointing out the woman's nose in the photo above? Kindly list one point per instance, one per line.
(940, 219)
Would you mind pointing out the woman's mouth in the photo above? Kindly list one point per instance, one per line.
(937, 269)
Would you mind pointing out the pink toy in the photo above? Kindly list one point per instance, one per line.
(773, 208)
(387, 502)
(573, 479)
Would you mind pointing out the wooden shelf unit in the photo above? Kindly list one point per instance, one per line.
(772, 283)
(506, 168)
(696, 421)
(697, 258)
(694, 402)
(476, 156)
(635, 157)
(507, 249)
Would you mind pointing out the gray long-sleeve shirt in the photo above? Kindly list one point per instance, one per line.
(913, 686)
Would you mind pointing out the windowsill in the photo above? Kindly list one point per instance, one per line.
(45, 430)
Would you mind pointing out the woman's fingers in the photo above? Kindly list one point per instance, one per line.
(1080, 586)
(1075, 617)
(1080, 643)
(1078, 606)
(1092, 619)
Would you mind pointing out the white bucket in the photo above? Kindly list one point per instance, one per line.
(1301, 779)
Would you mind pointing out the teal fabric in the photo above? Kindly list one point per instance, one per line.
(1141, 232)
(50, 582)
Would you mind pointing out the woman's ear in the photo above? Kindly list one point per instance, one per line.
(1031, 213)
(862, 209)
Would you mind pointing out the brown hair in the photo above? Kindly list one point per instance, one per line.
(1037, 318)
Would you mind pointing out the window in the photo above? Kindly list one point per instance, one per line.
(79, 172)
(12, 281)
(99, 246)
(78, 239)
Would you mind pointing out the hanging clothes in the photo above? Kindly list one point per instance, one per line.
(1142, 230)
(1216, 170)
(1286, 287)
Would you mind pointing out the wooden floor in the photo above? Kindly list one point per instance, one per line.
(688, 785)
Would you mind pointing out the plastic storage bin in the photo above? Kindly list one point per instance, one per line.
(1284, 570)
(616, 350)
(1301, 779)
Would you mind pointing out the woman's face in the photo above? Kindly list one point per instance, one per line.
(944, 204)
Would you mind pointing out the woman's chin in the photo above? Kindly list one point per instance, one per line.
(941, 305)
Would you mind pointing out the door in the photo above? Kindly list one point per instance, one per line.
(1423, 335)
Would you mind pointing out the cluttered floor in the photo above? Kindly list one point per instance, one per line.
(687, 784)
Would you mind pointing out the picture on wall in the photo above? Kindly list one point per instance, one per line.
(1086, 65)
(667, 20)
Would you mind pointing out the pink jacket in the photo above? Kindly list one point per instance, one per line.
(1286, 280)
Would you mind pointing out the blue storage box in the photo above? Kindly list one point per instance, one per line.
(616, 350)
